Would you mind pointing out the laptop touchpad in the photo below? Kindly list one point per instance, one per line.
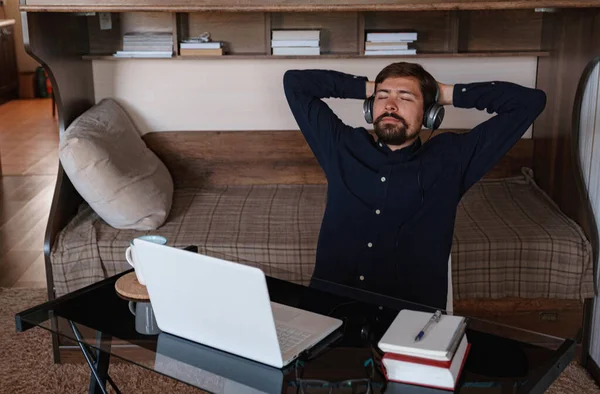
(284, 313)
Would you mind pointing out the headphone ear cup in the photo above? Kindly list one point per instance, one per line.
(368, 109)
(434, 116)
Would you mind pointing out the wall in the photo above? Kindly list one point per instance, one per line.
(589, 145)
(25, 62)
(247, 94)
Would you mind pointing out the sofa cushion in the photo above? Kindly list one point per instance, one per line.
(109, 164)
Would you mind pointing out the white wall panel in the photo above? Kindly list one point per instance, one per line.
(247, 94)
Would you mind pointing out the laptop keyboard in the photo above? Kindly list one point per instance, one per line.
(289, 337)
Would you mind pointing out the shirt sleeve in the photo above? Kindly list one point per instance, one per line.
(320, 126)
(516, 108)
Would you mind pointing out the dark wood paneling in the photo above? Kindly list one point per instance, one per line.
(241, 32)
(267, 157)
(452, 31)
(9, 75)
(58, 41)
(339, 31)
(236, 157)
(132, 22)
(431, 27)
(511, 30)
(571, 39)
(105, 42)
(295, 5)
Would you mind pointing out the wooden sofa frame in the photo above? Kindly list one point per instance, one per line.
(57, 37)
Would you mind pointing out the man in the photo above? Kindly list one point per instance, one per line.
(391, 200)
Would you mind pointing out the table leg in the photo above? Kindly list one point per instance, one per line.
(98, 360)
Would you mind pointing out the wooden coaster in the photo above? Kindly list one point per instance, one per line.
(129, 287)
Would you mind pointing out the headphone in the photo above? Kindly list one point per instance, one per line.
(432, 117)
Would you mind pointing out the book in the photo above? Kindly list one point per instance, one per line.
(297, 51)
(294, 43)
(391, 52)
(145, 54)
(201, 45)
(426, 372)
(201, 52)
(374, 46)
(395, 36)
(295, 34)
(438, 343)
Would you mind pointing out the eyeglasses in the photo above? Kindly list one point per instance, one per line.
(350, 386)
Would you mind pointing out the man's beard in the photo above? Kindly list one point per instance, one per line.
(391, 133)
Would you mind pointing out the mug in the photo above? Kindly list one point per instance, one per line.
(130, 255)
(145, 322)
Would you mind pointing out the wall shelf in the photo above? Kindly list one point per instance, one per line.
(334, 56)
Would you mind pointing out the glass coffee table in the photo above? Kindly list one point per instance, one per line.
(502, 359)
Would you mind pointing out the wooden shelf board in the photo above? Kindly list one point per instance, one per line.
(292, 6)
(336, 56)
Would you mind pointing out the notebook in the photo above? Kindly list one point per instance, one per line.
(440, 340)
(424, 372)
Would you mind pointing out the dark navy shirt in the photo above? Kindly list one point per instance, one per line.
(389, 218)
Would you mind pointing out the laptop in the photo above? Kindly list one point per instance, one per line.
(226, 305)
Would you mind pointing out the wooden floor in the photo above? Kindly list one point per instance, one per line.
(29, 160)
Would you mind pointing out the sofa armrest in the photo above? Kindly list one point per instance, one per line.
(65, 204)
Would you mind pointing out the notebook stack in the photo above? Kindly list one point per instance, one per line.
(434, 361)
(196, 47)
(390, 44)
(295, 42)
(146, 44)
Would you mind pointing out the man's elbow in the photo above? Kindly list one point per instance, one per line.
(290, 79)
(537, 101)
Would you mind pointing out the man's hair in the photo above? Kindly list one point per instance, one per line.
(427, 82)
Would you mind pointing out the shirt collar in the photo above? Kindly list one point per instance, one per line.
(399, 154)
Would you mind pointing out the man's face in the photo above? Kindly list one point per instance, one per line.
(398, 110)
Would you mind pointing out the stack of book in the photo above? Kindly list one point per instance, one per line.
(436, 360)
(390, 44)
(195, 47)
(146, 44)
(295, 42)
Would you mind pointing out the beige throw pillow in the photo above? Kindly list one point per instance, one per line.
(109, 164)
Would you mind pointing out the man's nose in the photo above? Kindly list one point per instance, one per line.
(390, 105)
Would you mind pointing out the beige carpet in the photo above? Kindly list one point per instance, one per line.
(26, 364)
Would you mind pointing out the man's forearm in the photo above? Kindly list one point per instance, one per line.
(324, 84)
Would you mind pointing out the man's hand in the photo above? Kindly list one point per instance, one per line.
(370, 89)
(446, 92)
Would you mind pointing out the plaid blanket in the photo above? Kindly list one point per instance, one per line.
(510, 239)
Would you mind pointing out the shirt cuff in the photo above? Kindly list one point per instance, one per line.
(466, 94)
(356, 87)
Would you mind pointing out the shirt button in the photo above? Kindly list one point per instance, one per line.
(380, 144)
(361, 277)
(370, 245)
(382, 179)
(464, 89)
(377, 211)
